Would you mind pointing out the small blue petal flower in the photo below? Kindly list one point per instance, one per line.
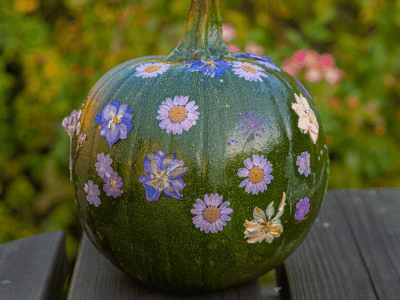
(165, 174)
(264, 60)
(214, 67)
(115, 121)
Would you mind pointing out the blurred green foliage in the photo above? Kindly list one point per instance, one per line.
(53, 51)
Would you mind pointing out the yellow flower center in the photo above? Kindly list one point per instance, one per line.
(250, 69)
(210, 63)
(116, 120)
(177, 113)
(211, 214)
(256, 174)
(152, 68)
(113, 183)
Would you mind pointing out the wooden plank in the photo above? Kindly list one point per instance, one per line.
(352, 250)
(95, 278)
(34, 267)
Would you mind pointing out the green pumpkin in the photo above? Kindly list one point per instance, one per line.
(199, 170)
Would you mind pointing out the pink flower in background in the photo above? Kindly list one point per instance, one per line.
(252, 47)
(233, 48)
(228, 32)
(316, 67)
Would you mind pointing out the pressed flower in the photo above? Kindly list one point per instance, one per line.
(263, 227)
(150, 70)
(249, 71)
(252, 125)
(71, 123)
(93, 192)
(303, 162)
(307, 120)
(103, 165)
(302, 208)
(177, 115)
(258, 173)
(165, 174)
(112, 184)
(214, 67)
(81, 138)
(211, 214)
(115, 121)
(264, 60)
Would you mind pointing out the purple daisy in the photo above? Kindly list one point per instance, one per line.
(303, 162)
(264, 60)
(115, 121)
(211, 214)
(164, 175)
(250, 72)
(258, 175)
(112, 184)
(214, 67)
(103, 165)
(177, 115)
(252, 125)
(93, 193)
(302, 208)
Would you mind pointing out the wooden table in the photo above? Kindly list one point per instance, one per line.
(351, 252)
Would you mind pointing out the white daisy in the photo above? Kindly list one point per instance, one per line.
(177, 114)
(249, 71)
(150, 70)
(307, 120)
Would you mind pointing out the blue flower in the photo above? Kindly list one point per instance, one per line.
(164, 175)
(115, 121)
(214, 67)
(264, 60)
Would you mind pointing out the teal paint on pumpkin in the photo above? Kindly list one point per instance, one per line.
(157, 242)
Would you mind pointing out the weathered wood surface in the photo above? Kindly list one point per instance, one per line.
(351, 252)
(95, 278)
(33, 268)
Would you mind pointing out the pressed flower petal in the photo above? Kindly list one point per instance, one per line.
(123, 131)
(248, 163)
(243, 172)
(244, 182)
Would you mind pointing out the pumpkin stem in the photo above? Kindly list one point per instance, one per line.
(203, 33)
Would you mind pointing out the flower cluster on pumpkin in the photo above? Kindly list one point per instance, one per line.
(164, 173)
(112, 181)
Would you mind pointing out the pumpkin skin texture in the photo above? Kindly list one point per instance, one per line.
(238, 120)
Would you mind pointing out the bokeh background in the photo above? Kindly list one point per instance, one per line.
(347, 54)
